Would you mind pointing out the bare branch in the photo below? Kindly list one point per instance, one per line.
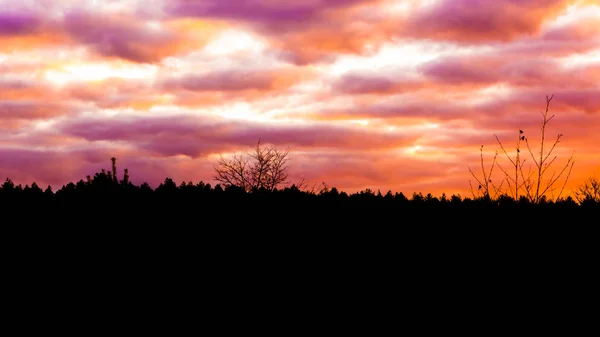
(503, 150)
(487, 177)
(589, 190)
(535, 185)
(263, 168)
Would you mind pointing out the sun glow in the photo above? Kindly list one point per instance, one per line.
(241, 112)
(413, 149)
(98, 72)
(581, 59)
(232, 41)
(386, 59)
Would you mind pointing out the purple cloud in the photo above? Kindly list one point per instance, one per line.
(200, 136)
(119, 37)
(258, 11)
(15, 23)
(229, 80)
(482, 20)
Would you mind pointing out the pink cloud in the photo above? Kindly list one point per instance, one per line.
(488, 69)
(278, 13)
(533, 99)
(19, 23)
(120, 37)
(299, 32)
(196, 137)
(231, 85)
(481, 20)
(113, 93)
(229, 80)
(25, 109)
(459, 71)
(584, 29)
(434, 109)
(356, 83)
(575, 37)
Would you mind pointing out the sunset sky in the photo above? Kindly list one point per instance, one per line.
(382, 94)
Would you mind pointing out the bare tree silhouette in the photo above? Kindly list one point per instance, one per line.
(264, 168)
(533, 185)
(588, 191)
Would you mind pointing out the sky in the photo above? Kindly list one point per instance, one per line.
(383, 94)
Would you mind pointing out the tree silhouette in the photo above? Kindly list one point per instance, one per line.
(114, 168)
(101, 199)
(534, 185)
(264, 168)
(588, 191)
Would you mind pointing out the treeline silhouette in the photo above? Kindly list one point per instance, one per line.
(103, 196)
(190, 232)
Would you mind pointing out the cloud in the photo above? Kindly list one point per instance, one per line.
(121, 37)
(587, 100)
(280, 13)
(19, 23)
(357, 83)
(230, 80)
(533, 99)
(22, 28)
(399, 106)
(460, 71)
(194, 137)
(472, 21)
(578, 36)
(17, 90)
(231, 84)
(489, 69)
(25, 109)
(114, 93)
(299, 32)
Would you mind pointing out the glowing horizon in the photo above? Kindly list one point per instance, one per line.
(382, 94)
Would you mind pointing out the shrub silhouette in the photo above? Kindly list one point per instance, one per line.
(533, 185)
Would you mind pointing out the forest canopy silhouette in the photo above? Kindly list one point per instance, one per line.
(257, 195)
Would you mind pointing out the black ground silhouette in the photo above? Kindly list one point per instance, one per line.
(198, 237)
(111, 201)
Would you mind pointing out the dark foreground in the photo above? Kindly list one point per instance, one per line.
(167, 249)
(119, 215)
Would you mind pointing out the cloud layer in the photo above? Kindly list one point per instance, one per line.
(380, 94)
